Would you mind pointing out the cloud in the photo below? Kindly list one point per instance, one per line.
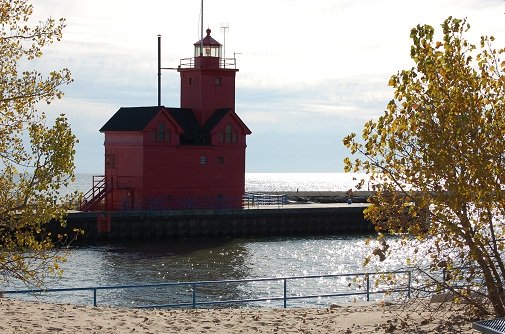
(314, 107)
(327, 109)
(310, 71)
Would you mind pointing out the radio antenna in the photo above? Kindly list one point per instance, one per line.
(159, 70)
(224, 28)
(201, 32)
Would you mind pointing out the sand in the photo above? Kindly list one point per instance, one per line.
(38, 317)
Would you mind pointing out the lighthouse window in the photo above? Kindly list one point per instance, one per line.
(162, 134)
(110, 161)
(217, 81)
(220, 160)
(227, 133)
(203, 160)
(190, 81)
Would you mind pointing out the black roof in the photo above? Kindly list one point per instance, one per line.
(130, 119)
(137, 118)
(185, 118)
(216, 117)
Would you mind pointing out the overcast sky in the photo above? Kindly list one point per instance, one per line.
(310, 73)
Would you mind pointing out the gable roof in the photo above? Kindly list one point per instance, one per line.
(185, 119)
(130, 119)
(218, 115)
(136, 119)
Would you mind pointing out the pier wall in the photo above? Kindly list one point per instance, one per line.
(159, 225)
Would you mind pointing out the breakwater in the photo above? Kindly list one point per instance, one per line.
(289, 220)
(328, 196)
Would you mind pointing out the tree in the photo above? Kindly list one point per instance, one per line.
(436, 162)
(36, 159)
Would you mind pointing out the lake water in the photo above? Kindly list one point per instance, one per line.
(214, 259)
(270, 182)
(220, 259)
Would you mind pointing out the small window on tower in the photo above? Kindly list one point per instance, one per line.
(190, 81)
(110, 161)
(227, 133)
(203, 160)
(220, 160)
(217, 81)
(160, 133)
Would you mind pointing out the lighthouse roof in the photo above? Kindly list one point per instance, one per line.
(130, 119)
(208, 40)
(136, 119)
(215, 119)
(219, 115)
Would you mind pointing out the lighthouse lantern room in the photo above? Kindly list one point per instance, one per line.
(208, 47)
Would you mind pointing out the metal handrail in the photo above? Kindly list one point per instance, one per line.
(101, 184)
(368, 291)
(230, 63)
(258, 199)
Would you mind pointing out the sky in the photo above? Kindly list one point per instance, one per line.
(310, 72)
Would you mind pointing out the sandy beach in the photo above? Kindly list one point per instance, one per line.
(38, 317)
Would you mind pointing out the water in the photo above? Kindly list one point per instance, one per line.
(269, 182)
(215, 259)
(219, 259)
(278, 182)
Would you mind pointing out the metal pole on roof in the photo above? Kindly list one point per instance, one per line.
(159, 70)
(225, 27)
(201, 34)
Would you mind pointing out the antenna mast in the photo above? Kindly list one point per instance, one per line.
(225, 27)
(201, 33)
(159, 70)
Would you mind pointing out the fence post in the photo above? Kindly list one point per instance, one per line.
(410, 282)
(94, 297)
(285, 293)
(194, 294)
(367, 287)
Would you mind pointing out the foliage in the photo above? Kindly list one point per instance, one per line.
(436, 162)
(36, 159)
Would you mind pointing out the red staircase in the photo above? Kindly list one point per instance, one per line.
(94, 199)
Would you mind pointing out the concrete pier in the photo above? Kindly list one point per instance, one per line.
(292, 219)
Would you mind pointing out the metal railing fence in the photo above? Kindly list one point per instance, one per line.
(365, 286)
(252, 200)
(230, 63)
(247, 201)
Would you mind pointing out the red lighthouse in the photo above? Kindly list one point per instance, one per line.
(178, 158)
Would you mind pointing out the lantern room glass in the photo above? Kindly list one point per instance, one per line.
(208, 51)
